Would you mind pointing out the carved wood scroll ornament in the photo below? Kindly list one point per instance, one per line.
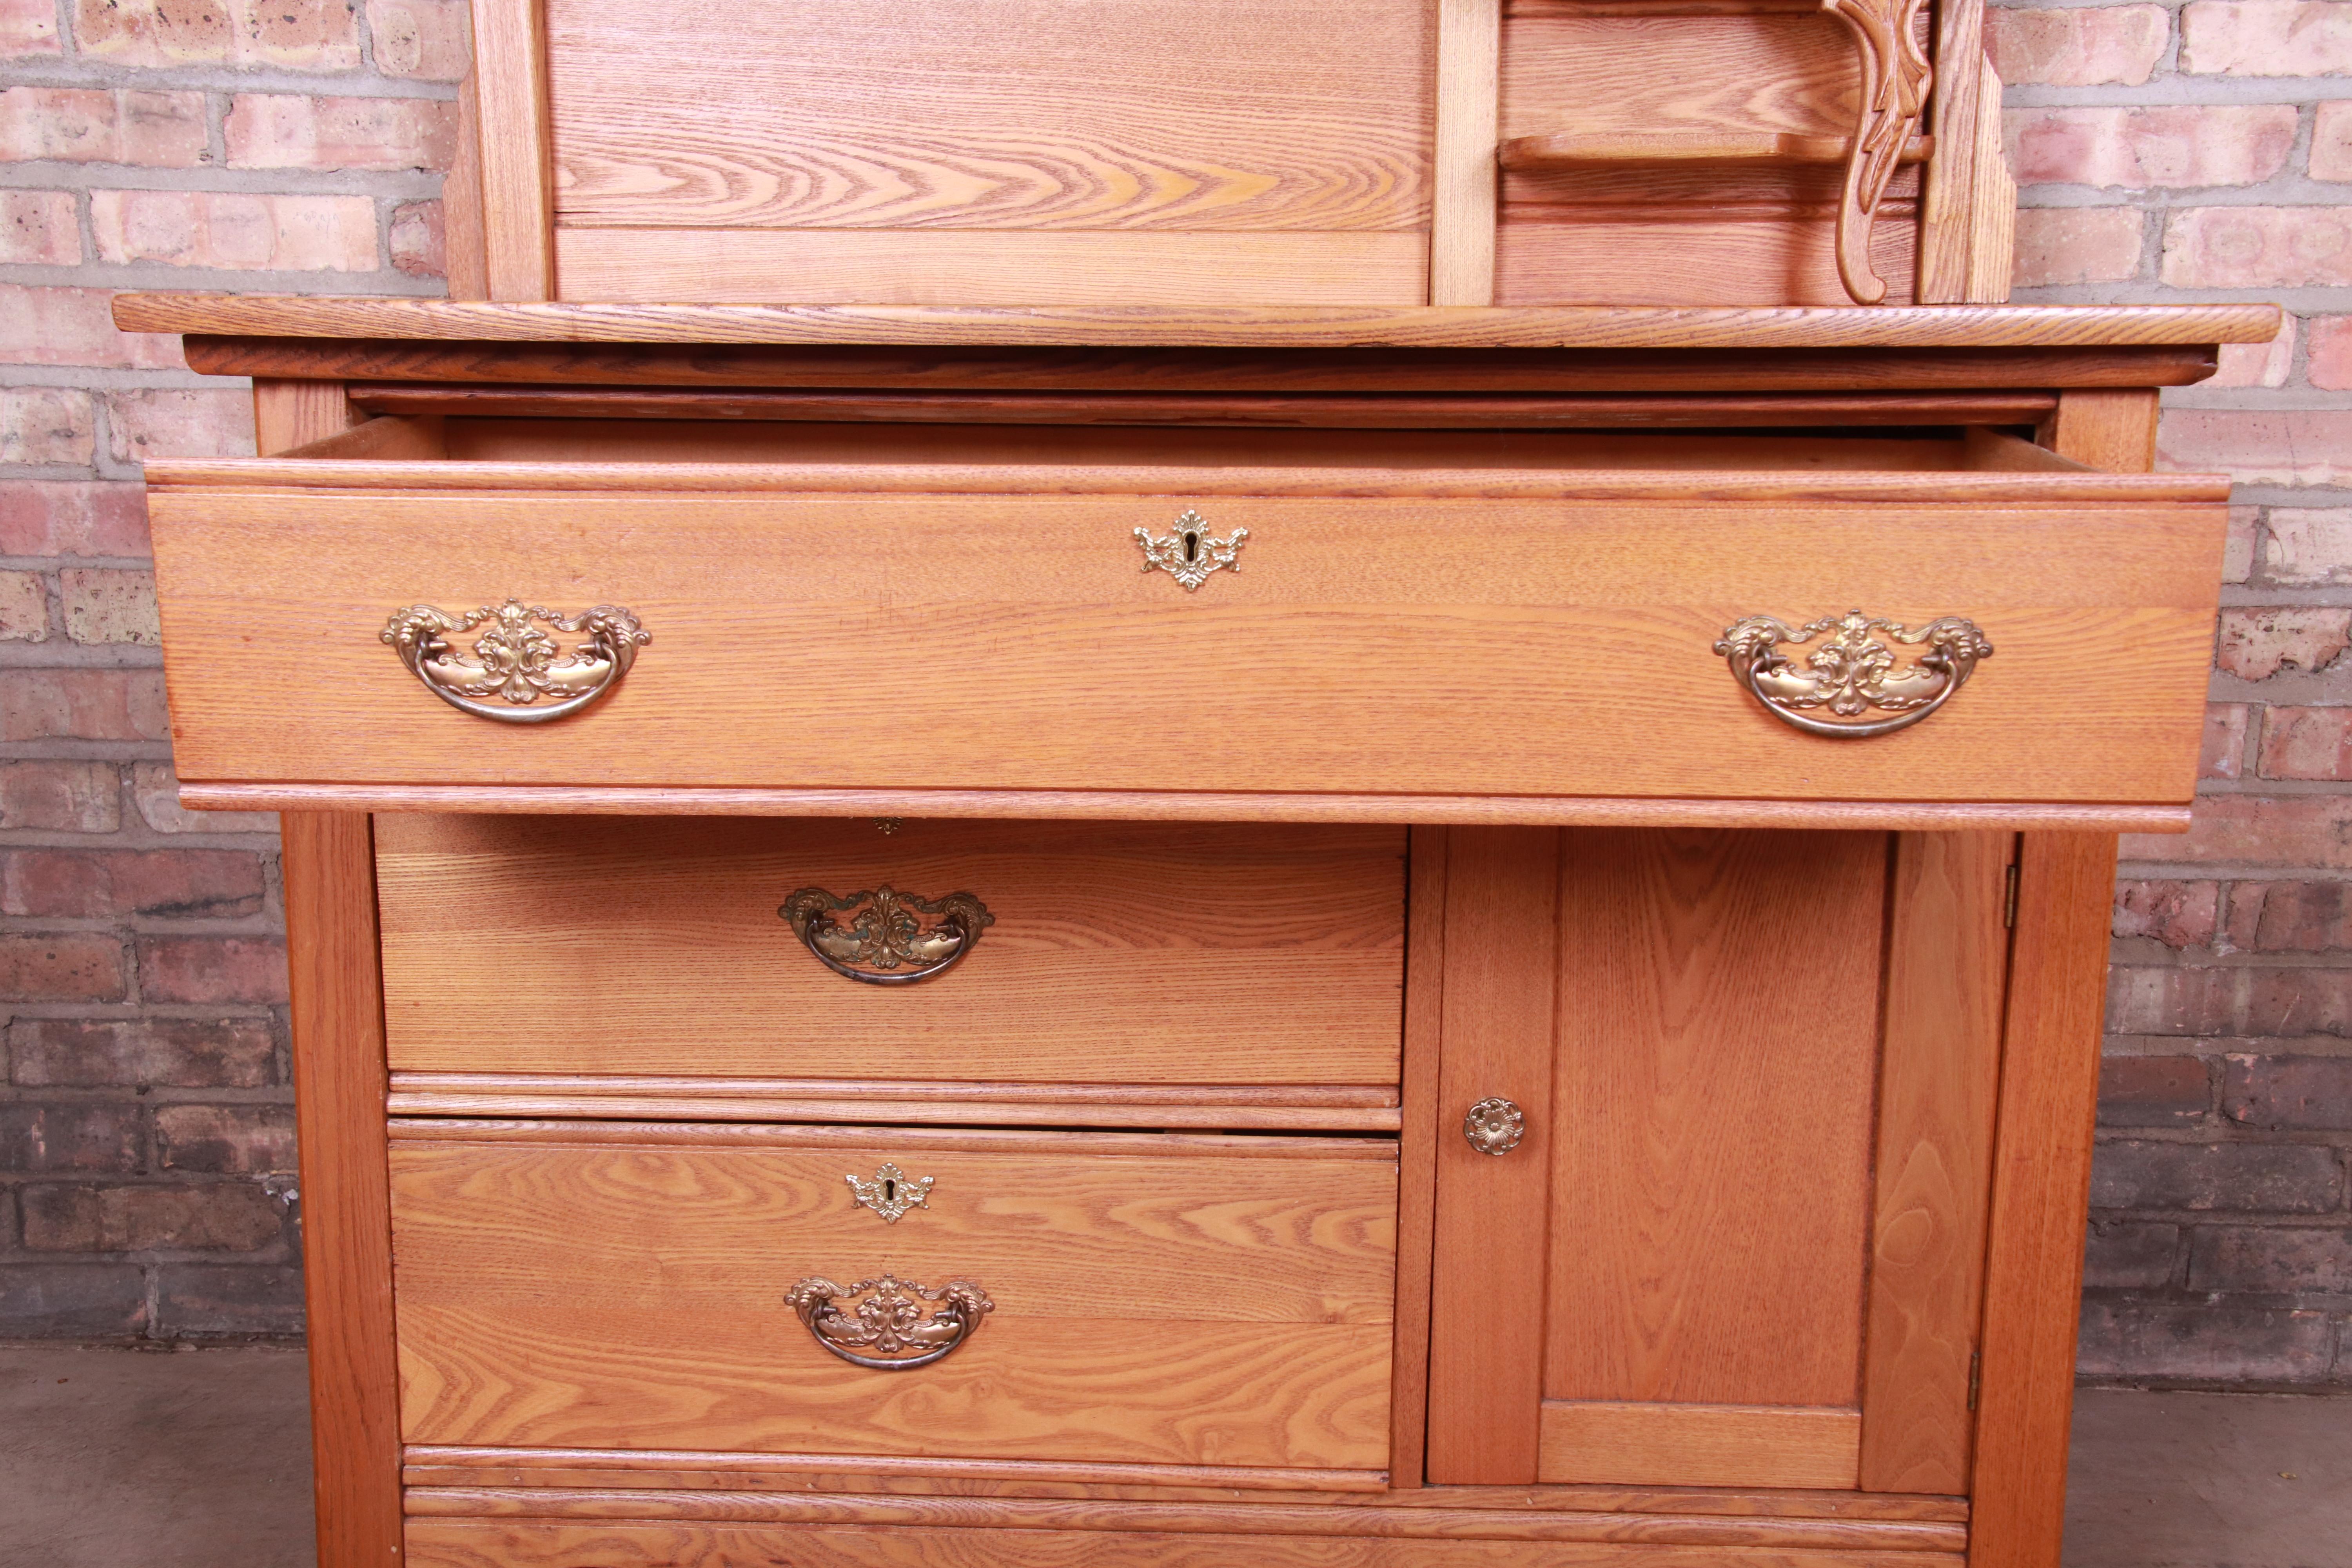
(1895, 77)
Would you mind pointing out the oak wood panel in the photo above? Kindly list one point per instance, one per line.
(1710, 1172)
(1043, 1142)
(1893, 373)
(962, 1112)
(1946, 959)
(1736, 72)
(1261, 1518)
(292, 414)
(464, 238)
(1253, 1301)
(337, 1016)
(1216, 114)
(1700, 1445)
(1424, 1023)
(517, 181)
(1462, 173)
(1170, 1099)
(1590, 255)
(2110, 429)
(1350, 632)
(1948, 216)
(1497, 1012)
(2040, 1196)
(1158, 954)
(1662, 326)
(994, 267)
(1992, 239)
(497, 1543)
(1141, 806)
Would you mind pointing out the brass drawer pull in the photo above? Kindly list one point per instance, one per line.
(1495, 1125)
(518, 664)
(891, 1320)
(1854, 671)
(886, 937)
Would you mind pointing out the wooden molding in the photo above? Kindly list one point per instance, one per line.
(1465, 176)
(518, 180)
(1711, 1445)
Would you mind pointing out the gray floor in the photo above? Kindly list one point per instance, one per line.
(200, 1460)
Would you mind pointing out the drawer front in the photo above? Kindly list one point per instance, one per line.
(1154, 1300)
(1115, 953)
(1371, 644)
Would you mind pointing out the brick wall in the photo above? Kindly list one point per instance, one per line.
(146, 1143)
(2203, 151)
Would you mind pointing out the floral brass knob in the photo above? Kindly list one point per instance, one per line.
(1495, 1125)
(1854, 671)
(887, 1330)
(886, 944)
(516, 664)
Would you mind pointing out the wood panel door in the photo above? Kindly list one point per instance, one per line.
(1739, 1242)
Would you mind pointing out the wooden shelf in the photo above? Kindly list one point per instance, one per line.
(1571, 150)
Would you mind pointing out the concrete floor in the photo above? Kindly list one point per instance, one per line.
(201, 1460)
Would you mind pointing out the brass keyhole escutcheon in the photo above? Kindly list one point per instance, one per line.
(1494, 1125)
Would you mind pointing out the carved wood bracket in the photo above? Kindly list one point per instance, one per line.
(1895, 77)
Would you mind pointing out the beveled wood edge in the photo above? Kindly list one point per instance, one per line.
(1136, 805)
(723, 1135)
(893, 1112)
(630, 1084)
(1967, 486)
(655, 1461)
(1423, 1019)
(1430, 326)
(1254, 1518)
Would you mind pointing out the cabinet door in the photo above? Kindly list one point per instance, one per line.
(1738, 1240)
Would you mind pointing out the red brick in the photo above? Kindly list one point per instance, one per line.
(424, 40)
(60, 797)
(2309, 544)
(170, 422)
(28, 28)
(109, 606)
(238, 232)
(2258, 247)
(2259, 446)
(2264, 38)
(2289, 1093)
(235, 1140)
(72, 516)
(64, 966)
(100, 125)
(419, 245)
(89, 1301)
(212, 969)
(307, 35)
(2178, 914)
(83, 705)
(2288, 917)
(73, 326)
(89, 884)
(2257, 364)
(23, 607)
(2331, 141)
(2329, 364)
(2077, 245)
(2222, 754)
(2201, 1340)
(227, 1299)
(2153, 1092)
(2271, 1260)
(2261, 830)
(2211, 1178)
(284, 131)
(158, 794)
(2237, 544)
(2130, 1254)
(84, 1136)
(175, 1053)
(2176, 146)
(300, 34)
(39, 228)
(47, 424)
(216, 1216)
(2085, 47)
(2257, 643)
(2307, 743)
(2234, 1001)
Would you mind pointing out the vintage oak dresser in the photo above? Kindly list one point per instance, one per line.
(1261, 784)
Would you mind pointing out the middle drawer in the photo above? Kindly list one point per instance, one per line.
(1095, 953)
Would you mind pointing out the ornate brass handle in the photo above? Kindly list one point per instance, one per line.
(1495, 1125)
(886, 937)
(518, 664)
(1854, 671)
(890, 1320)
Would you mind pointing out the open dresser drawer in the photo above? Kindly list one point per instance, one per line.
(1442, 615)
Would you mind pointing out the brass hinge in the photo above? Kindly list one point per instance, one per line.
(2009, 900)
(1976, 1375)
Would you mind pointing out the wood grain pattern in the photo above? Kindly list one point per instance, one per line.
(337, 1015)
(993, 114)
(1947, 215)
(969, 267)
(1711, 1167)
(1700, 1445)
(1559, 149)
(1259, 1518)
(499, 1543)
(1992, 238)
(1615, 327)
(1045, 1142)
(1589, 74)
(1569, 255)
(1151, 953)
(1424, 1023)
(534, 1104)
(1496, 1010)
(292, 414)
(1252, 1301)
(463, 240)
(1463, 172)
(1946, 961)
(2040, 1195)
(2112, 429)
(517, 179)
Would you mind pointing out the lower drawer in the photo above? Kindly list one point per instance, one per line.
(1151, 1299)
